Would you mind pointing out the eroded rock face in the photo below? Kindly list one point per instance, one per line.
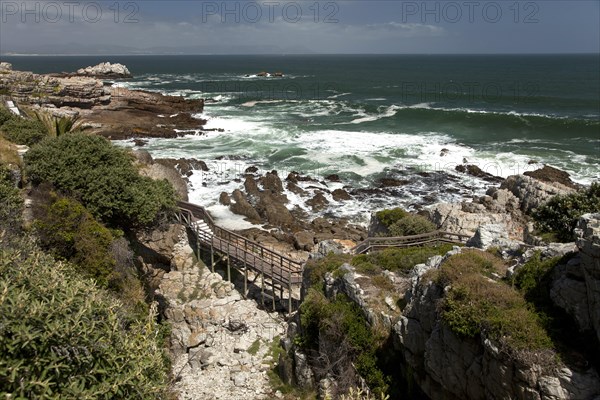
(532, 192)
(576, 286)
(447, 366)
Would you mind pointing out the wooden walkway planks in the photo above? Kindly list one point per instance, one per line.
(246, 253)
(436, 237)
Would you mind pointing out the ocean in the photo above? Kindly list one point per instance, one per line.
(412, 118)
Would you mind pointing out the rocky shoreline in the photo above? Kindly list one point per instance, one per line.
(94, 106)
(224, 346)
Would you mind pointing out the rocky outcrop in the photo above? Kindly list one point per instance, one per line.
(506, 206)
(450, 367)
(105, 70)
(477, 172)
(532, 192)
(113, 112)
(552, 175)
(498, 207)
(576, 285)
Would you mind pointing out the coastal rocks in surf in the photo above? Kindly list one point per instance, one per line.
(289, 227)
(477, 172)
(113, 112)
(105, 70)
(264, 74)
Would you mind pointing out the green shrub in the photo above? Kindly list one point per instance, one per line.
(401, 259)
(23, 131)
(69, 231)
(11, 203)
(5, 115)
(102, 177)
(316, 270)
(560, 214)
(341, 321)
(62, 338)
(475, 304)
(411, 225)
(388, 217)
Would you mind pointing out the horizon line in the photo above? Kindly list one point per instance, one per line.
(288, 54)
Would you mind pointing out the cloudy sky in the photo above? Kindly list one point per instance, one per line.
(285, 27)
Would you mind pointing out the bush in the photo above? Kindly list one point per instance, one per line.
(398, 259)
(102, 177)
(24, 131)
(560, 214)
(67, 230)
(11, 204)
(388, 217)
(5, 115)
(341, 321)
(316, 270)
(411, 225)
(476, 305)
(62, 338)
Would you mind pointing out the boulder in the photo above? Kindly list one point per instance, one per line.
(340, 195)
(224, 199)
(304, 240)
(490, 235)
(241, 206)
(318, 202)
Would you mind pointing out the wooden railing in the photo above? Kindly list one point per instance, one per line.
(276, 266)
(436, 237)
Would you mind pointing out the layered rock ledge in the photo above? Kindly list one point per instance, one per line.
(113, 112)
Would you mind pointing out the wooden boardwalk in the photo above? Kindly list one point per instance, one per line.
(276, 270)
(431, 238)
(242, 253)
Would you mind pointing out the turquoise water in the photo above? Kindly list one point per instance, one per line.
(365, 117)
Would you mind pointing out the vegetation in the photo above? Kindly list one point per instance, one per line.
(62, 338)
(341, 322)
(391, 216)
(102, 177)
(411, 225)
(477, 305)
(68, 231)
(55, 126)
(23, 131)
(560, 214)
(398, 259)
(8, 152)
(11, 204)
(400, 223)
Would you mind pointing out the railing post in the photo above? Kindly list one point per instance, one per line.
(212, 256)
(289, 293)
(272, 286)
